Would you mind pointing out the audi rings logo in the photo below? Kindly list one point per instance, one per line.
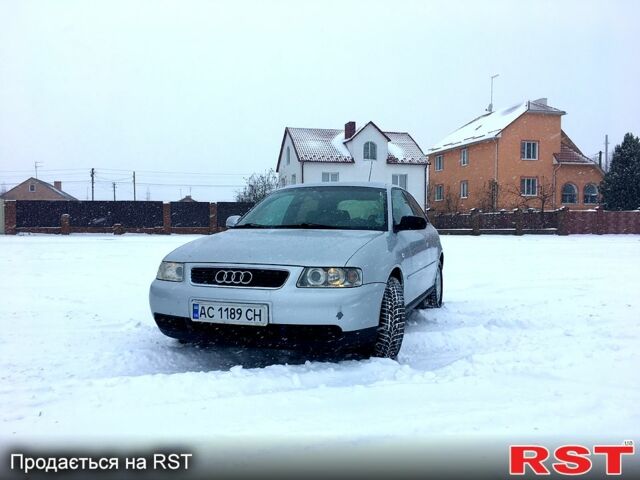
(233, 277)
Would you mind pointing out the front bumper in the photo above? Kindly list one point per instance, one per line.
(272, 335)
(348, 309)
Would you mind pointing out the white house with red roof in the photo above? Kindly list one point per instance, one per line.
(312, 155)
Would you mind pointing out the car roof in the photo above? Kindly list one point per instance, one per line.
(340, 184)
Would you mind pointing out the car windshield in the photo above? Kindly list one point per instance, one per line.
(339, 208)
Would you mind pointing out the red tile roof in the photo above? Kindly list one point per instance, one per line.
(328, 145)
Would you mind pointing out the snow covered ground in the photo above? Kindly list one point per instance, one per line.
(539, 335)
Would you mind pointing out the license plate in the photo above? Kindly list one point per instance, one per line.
(232, 313)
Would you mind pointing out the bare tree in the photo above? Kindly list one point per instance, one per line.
(451, 201)
(258, 186)
(543, 197)
(489, 196)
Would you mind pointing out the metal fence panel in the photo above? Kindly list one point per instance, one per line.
(226, 209)
(46, 213)
(190, 214)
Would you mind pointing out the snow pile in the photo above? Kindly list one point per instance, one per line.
(539, 336)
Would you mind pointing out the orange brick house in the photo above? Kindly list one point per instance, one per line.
(517, 157)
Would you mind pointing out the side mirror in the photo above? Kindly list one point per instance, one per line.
(232, 220)
(410, 222)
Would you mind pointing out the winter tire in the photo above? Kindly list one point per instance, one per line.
(392, 318)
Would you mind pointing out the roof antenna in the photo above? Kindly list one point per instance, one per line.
(490, 107)
(36, 166)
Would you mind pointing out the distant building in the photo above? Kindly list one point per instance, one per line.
(34, 189)
(517, 157)
(187, 199)
(309, 155)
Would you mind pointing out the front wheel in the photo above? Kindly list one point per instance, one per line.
(392, 317)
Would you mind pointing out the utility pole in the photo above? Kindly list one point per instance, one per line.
(606, 153)
(114, 191)
(148, 194)
(36, 165)
(490, 107)
(93, 181)
(134, 186)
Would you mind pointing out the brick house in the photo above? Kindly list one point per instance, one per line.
(34, 189)
(309, 155)
(517, 157)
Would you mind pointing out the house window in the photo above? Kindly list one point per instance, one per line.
(464, 157)
(293, 179)
(399, 180)
(569, 193)
(439, 163)
(529, 150)
(288, 155)
(439, 193)
(283, 181)
(32, 187)
(590, 194)
(330, 176)
(370, 151)
(528, 187)
(464, 189)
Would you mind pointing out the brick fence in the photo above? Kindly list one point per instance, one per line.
(205, 218)
(518, 222)
(62, 217)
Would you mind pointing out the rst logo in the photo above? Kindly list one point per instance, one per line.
(569, 459)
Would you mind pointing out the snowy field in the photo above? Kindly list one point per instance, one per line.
(539, 335)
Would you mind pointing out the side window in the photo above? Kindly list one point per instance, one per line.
(399, 205)
(415, 206)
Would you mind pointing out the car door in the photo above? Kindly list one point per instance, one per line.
(407, 242)
(425, 255)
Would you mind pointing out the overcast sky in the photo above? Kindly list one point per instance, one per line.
(208, 87)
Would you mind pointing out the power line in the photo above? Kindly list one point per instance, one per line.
(187, 184)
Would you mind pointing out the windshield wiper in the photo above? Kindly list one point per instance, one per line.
(251, 225)
(311, 225)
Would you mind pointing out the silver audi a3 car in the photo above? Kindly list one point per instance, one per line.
(315, 264)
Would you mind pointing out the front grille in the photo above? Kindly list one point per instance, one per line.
(239, 277)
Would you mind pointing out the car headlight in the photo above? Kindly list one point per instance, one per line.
(322, 277)
(171, 271)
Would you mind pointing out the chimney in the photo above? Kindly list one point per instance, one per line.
(349, 129)
(57, 184)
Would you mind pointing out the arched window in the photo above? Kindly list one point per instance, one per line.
(370, 151)
(590, 193)
(288, 155)
(569, 193)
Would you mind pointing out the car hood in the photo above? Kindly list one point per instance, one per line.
(275, 247)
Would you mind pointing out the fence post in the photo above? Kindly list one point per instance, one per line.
(166, 217)
(64, 224)
(10, 217)
(213, 218)
(599, 219)
(563, 221)
(475, 221)
(518, 220)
